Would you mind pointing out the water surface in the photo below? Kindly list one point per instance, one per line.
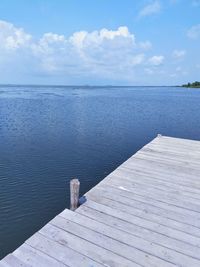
(50, 134)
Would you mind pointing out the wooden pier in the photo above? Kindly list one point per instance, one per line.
(145, 213)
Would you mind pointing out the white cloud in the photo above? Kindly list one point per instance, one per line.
(156, 60)
(150, 9)
(194, 32)
(118, 38)
(15, 54)
(78, 39)
(101, 54)
(12, 38)
(179, 54)
(49, 44)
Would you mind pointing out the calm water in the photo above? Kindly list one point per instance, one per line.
(51, 134)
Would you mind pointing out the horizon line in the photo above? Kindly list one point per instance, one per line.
(84, 85)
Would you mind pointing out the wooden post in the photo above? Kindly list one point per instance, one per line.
(74, 193)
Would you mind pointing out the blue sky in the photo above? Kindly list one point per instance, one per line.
(118, 42)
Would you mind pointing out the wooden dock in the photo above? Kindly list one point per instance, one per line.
(145, 213)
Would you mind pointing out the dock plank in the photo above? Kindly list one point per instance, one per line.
(146, 213)
(87, 248)
(137, 172)
(115, 242)
(148, 208)
(34, 257)
(60, 252)
(121, 211)
(11, 260)
(154, 197)
(160, 184)
(169, 197)
(133, 241)
(140, 231)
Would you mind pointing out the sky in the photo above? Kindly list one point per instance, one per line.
(99, 42)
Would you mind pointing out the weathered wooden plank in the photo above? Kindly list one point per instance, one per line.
(147, 213)
(136, 250)
(179, 171)
(193, 151)
(84, 247)
(172, 162)
(187, 186)
(140, 231)
(120, 211)
(171, 141)
(166, 151)
(112, 234)
(171, 154)
(170, 194)
(139, 199)
(59, 251)
(163, 170)
(178, 141)
(12, 261)
(144, 207)
(178, 201)
(179, 149)
(155, 182)
(34, 257)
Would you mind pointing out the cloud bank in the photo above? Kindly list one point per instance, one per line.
(12, 38)
(113, 54)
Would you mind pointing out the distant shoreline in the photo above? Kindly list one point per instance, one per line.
(192, 85)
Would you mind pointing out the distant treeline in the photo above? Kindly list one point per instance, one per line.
(193, 85)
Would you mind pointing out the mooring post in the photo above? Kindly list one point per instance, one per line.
(74, 193)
